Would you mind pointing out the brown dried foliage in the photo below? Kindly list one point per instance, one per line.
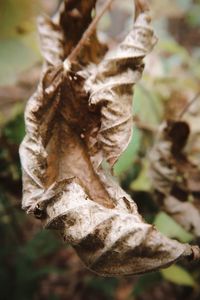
(175, 176)
(78, 123)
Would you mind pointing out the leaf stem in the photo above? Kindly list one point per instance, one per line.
(87, 34)
(140, 6)
(187, 106)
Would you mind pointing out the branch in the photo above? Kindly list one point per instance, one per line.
(140, 6)
(187, 106)
(87, 34)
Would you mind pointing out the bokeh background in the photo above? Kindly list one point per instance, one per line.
(35, 263)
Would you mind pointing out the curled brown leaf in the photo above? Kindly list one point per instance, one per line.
(78, 119)
(175, 176)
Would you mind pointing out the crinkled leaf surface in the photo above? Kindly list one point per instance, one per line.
(79, 120)
(175, 176)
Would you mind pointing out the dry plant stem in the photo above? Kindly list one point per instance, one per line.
(140, 6)
(187, 106)
(87, 34)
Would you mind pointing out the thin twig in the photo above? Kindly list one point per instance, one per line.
(187, 106)
(140, 6)
(87, 34)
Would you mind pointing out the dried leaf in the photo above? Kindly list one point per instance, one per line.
(58, 40)
(110, 86)
(175, 176)
(185, 213)
(51, 40)
(78, 119)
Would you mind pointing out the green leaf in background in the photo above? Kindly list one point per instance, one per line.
(145, 282)
(15, 130)
(19, 50)
(142, 183)
(193, 15)
(172, 47)
(107, 287)
(147, 105)
(127, 158)
(15, 57)
(184, 4)
(178, 275)
(43, 243)
(17, 17)
(171, 229)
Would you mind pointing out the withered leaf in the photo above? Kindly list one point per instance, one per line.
(175, 176)
(79, 118)
(60, 34)
(185, 213)
(74, 18)
(110, 87)
(51, 40)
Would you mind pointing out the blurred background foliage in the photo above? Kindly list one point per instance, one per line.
(34, 263)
